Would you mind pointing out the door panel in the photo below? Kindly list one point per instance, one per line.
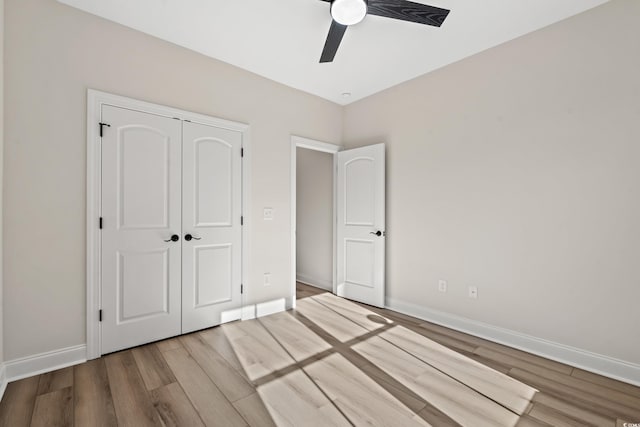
(143, 197)
(359, 183)
(212, 171)
(143, 285)
(359, 262)
(213, 275)
(141, 272)
(361, 214)
(214, 182)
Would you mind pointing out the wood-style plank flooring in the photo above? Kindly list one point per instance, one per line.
(329, 362)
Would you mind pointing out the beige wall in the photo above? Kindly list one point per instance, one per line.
(1, 170)
(314, 217)
(517, 171)
(53, 54)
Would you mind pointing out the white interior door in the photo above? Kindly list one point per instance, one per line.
(141, 265)
(211, 275)
(361, 224)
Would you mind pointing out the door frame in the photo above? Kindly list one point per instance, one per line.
(95, 100)
(311, 144)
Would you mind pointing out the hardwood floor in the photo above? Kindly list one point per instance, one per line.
(329, 362)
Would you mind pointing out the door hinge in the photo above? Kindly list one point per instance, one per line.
(102, 125)
(242, 289)
(241, 220)
(100, 223)
(100, 315)
(241, 152)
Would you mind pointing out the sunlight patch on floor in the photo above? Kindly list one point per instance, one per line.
(334, 362)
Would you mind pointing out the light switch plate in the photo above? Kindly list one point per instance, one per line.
(268, 214)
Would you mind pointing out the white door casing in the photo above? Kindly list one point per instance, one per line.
(361, 224)
(141, 270)
(211, 200)
(172, 237)
(96, 101)
(310, 144)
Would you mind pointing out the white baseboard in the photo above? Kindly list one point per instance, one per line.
(254, 311)
(313, 281)
(248, 312)
(3, 380)
(45, 362)
(583, 359)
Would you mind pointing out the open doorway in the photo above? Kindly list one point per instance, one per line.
(312, 214)
(358, 221)
(314, 218)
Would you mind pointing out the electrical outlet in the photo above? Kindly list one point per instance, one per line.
(267, 279)
(442, 285)
(473, 292)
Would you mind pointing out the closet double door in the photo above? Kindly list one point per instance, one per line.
(171, 227)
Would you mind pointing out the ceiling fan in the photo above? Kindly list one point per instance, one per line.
(351, 12)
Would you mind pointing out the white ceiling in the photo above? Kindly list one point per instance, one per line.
(282, 39)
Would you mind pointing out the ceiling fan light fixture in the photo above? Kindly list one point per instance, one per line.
(348, 12)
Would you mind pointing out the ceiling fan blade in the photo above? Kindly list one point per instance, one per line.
(336, 32)
(408, 11)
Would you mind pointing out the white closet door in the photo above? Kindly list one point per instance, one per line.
(141, 211)
(361, 224)
(211, 274)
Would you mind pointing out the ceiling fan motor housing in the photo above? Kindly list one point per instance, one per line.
(348, 12)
